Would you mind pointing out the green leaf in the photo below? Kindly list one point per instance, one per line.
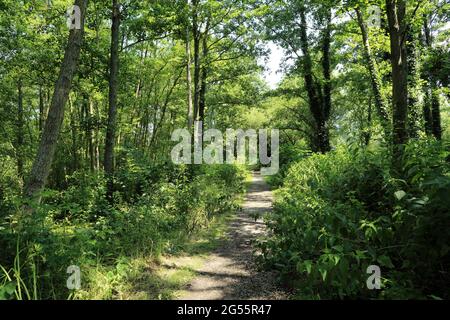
(323, 272)
(7, 290)
(385, 261)
(400, 194)
(336, 259)
(308, 265)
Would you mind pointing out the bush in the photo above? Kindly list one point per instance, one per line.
(78, 227)
(338, 213)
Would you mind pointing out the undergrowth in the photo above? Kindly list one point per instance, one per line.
(156, 209)
(338, 213)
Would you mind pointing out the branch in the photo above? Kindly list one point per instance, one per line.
(145, 39)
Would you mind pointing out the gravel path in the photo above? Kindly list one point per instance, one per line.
(230, 273)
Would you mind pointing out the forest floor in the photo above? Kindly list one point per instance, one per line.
(229, 272)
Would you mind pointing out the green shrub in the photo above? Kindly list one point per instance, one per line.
(338, 213)
(77, 226)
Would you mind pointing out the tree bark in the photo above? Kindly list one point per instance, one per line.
(413, 81)
(73, 129)
(41, 109)
(319, 103)
(42, 163)
(190, 115)
(204, 76)
(427, 117)
(197, 37)
(396, 10)
(19, 133)
(89, 135)
(436, 115)
(112, 111)
(326, 70)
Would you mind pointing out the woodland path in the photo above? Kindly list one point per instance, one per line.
(230, 272)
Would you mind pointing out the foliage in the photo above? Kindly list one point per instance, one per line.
(78, 227)
(336, 214)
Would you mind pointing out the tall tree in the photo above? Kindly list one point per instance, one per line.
(289, 26)
(204, 75)
(396, 12)
(44, 157)
(188, 67)
(112, 111)
(197, 66)
(319, 99)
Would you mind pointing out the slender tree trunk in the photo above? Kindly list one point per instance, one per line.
(413, 81)
(427, 117)
(204, 76)
(112, 112)
(41, 109)
(47, 146)
(433, 118)
(197, 35)
(188, 73)
(396, 10)
(326, 70)
(73, 129)
(375, 80)
(436, 115)
(20, 133)
(138, 100)
(89, 135)
(97, 137)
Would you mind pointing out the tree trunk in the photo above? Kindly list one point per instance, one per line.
(326, 70)
(20, 133)
(433, 118)
(112, 112)
(41, 109)
(427, 117)
(436, 115)
(97, 137)
(197, 35)
(413, 81)
(89, 135)
(319, 103)
(73, 129)
(396, 11)
(42, 163)
(380, 104)
(204, 76)
(188, 73)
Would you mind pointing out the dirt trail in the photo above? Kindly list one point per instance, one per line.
(229, 272)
